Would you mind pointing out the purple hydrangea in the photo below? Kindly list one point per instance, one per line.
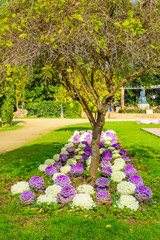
(62, 180)
(137, 180)
(129, 170)
(87, 148)
(83, 159)
(123, 152)
(102, 182)
(114, 141)
(63, 158)
(88, 154)
(101, 145)
(70, 150)
(77, 168)
(126, 159)
(106, 172)
(105, 164)
(66, 195)
(108, 152)
(89, 138)
(103, 197)
(76, 139)
(50, 170)
(85, 142)
(58, 165)
(107, 157)
(116, 145)
(37, 183)
(27, 197)
(143, 193)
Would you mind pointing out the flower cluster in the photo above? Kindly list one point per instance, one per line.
(28, 197)
(126, 188)
(62, 180)
(86, 188)
(50, 171)
(53, 190)
(20, 187)
(83, 200)
(37, 183)
(128, 201)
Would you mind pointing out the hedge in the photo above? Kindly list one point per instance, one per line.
(53, 109)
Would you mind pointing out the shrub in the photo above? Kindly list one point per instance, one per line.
(53, 109)
(7, 112)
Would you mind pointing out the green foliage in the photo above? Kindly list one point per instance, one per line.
(53, 109)
(7, 111)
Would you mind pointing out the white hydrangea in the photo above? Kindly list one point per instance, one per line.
(101, 150)
(53, 190)
(115, 151)
(69, 145)
(112, 148)
(46, 199)
(49, 162)
(65, 169)
(86, 188)
(81, 152)
(42, 167)
(71, 161)
(77, 150)
(117, 176)
(88, 161)
(63, 151)
(126, 188)
(116, 155)
(108, 143)
(116, 167)
(128, 201)
(81, 145)
(56, 157)
(119, 161)
(83, 200)
(55, 175)
(20, 187)
(77, 157)
(107, 138)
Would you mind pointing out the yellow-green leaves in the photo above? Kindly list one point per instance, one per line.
(23, 35)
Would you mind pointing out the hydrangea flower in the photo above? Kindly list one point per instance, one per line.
(20, 187)
(126, 159)
(83, 159)
(108, 152)
(143, 193)
(65, 169)
(62, 180)
(50, 170)
(46, 199)
(105, 164)
(128, 201)
(63, 158)
(119, 161)
(57, 174)
(49, 162)
(76, 169)
(107, 157)
(83, 200)
(53, 190)
(102, 182)
(56, 157)
(106, 172)
(71, 161)
(76, 138)
(88, 154)
(86, 188)
(101, 145)
(116, 167)
(58, 165)
(70, 150)
(123, 152)
(117, 176)
(27, 197)
(116, 145)
(37, 183)
(126, 188)
(103, 197)
(129, 170)
(66, 195)
(42, 167)
(137, 180)
(87, 148)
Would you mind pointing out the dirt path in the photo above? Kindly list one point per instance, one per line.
(33, 128)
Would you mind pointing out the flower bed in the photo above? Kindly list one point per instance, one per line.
(118, 182)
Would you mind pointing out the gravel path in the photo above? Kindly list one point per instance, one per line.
(33, 128)
(155, 131)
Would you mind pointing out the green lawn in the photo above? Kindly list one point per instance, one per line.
(9, 128)
(30, 223)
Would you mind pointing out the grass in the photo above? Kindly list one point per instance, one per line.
(10, 128)
(43, 222)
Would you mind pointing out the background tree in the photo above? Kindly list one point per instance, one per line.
(94, 47)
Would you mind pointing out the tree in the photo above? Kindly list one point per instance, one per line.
(92, 47)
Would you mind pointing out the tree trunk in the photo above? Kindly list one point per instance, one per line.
(97, 129)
